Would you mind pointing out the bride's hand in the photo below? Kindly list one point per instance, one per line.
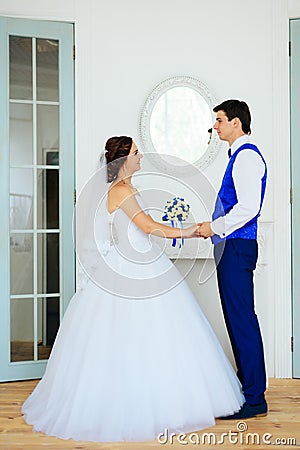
(191, 232)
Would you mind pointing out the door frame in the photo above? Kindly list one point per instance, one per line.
(64, 33)
(295, 187)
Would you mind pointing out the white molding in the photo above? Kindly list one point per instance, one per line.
(294, 8)
(281, 176)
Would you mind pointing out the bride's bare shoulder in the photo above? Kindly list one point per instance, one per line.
(119, 190)
(117, 194)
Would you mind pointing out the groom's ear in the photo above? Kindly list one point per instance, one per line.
(236, 122)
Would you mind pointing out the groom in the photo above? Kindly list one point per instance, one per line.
(234, 234)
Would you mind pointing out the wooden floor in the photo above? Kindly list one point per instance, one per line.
(282, 423)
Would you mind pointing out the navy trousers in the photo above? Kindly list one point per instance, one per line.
(236, 260)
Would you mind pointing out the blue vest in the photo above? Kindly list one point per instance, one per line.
(227, 199)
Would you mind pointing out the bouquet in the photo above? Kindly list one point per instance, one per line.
(176, 210)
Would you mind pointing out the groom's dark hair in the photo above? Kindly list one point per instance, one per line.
(236, 108)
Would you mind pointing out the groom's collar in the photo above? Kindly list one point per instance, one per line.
(239, 142)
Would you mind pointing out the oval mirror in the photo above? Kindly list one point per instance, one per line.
(176, 120)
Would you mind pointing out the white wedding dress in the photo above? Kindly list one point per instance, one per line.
(126, 369)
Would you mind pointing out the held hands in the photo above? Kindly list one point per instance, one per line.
(191, 232)
(198, 230)
(205, 230)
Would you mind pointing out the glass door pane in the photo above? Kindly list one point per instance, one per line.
(21, 198)
(47, 132)
(47, 76)
(20, 68)
(21, 264)
(48, 198)
(21, 140)
(21, 329)
(48, 323)
(48, 263)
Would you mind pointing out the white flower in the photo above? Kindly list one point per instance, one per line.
(176, 209)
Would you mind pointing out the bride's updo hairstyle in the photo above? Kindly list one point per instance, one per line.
(117, 148)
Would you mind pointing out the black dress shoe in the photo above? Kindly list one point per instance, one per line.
(247, 411)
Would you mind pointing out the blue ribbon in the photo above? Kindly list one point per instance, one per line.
(174, 239)
(182, 239)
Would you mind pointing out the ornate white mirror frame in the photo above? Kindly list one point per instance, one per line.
(151, 104)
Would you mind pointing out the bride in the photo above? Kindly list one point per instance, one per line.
(134, 354)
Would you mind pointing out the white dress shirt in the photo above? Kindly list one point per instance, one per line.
(248, 170)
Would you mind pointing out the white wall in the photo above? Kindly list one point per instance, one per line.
(294, 9)
(125, 48)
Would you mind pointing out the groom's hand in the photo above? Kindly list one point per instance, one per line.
(205, 230)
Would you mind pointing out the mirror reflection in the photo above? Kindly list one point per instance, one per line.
(179, 124)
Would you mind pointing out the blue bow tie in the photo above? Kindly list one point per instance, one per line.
(229, 153)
